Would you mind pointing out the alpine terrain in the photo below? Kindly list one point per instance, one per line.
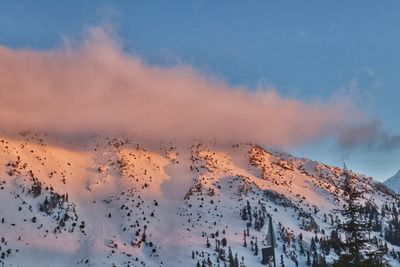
(116, 202)
(394, 182)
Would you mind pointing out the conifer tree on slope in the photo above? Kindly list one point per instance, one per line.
(353, 225)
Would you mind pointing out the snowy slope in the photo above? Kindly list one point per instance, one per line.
(113, 202)
(394, 182)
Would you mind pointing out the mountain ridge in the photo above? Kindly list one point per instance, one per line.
(394, 182)
(114, 202)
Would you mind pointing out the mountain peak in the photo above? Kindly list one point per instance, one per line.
(394, 182)
(116, 202)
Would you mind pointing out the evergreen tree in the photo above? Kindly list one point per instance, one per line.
(301, 248)
(256, 248)
(314, 261)
(244, 239)
(282, 264)
(236, 261)
(392, 231)
(313, 246)
(353, 225)
(308, 258)
(335, 242)
(224, 242)
(244, 214)
(230, 257)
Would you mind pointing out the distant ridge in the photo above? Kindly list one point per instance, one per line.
(393, 182)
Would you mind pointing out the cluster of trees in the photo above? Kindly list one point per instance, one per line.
(392, 231)
(229, 260)
(224, 258)
(353, 250)
(4, 251)
(354, 237)
(248, 214)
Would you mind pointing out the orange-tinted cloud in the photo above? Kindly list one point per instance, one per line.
(95, 87)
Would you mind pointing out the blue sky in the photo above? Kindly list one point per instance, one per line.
(306, 49)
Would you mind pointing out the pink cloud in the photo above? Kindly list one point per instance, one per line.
(95, 87)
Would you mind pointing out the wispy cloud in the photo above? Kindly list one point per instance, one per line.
(369, 136)
(96, 88)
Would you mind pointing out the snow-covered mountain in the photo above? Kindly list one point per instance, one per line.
(113, 202)
(394, 182)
